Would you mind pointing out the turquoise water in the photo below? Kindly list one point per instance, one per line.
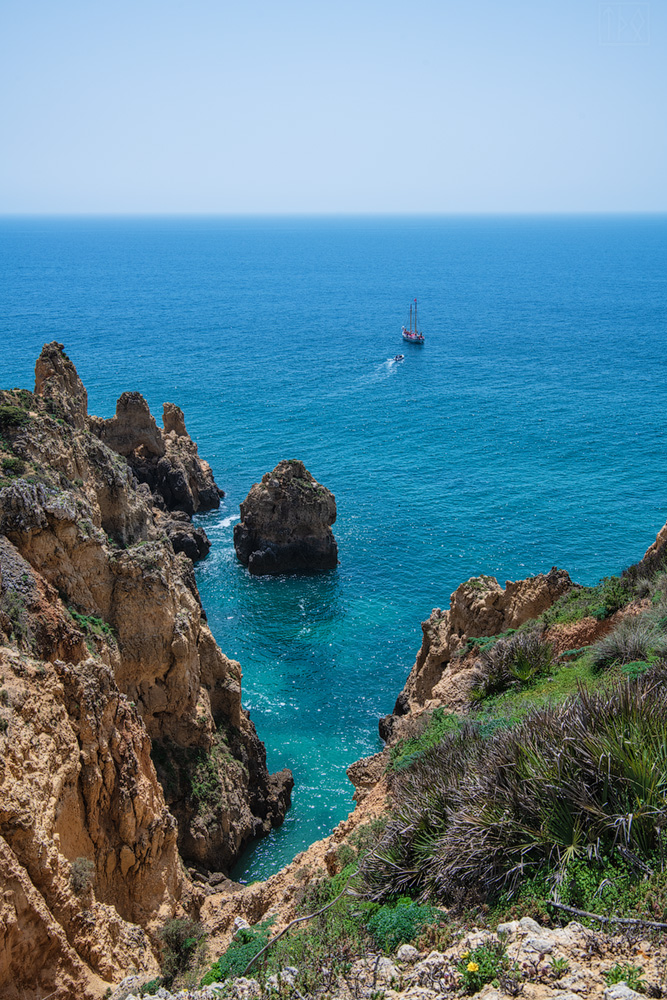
(528, 431)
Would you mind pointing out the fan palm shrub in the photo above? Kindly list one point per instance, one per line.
(585, 779)
(634, 638)
(515, 661)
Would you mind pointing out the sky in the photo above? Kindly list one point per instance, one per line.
(332, 106)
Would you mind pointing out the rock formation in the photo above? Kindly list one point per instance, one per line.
(286, 524)
(655, 557)
(168, 462)
(478, 607)
(105, 663)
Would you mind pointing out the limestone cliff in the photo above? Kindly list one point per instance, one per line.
(106, 658)
(167, 460)
(286, 523)
(478, 607)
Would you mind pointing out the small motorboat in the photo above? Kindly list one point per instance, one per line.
(398, 357)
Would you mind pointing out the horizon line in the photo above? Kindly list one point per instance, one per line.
(335, 215)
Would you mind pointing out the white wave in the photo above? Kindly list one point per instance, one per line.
(227, 521)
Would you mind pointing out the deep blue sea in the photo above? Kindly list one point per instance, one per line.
(528, 431)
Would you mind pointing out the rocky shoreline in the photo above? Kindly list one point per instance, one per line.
(131, 776)
(126, 747)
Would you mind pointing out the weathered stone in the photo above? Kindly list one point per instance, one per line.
(185, 536)
(365, 774)
(167, 462)
(380, 968)
(57, 382)
(530, 926)
(132, 669)
(246, 989)
(286, 524)
(621, 991)
(478, 607)
(133, 427)
(510, 928)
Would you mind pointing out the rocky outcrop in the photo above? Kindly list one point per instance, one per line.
(166, 460)
(478, 607)
(655, 557)
(88, 849)
(286, 524)
(168, 463)
(106, 663)
(57, 382)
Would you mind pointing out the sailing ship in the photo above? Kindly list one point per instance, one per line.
(413, 336)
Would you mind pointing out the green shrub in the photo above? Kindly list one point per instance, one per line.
(485, 964)
(150, 988)
(180, 939)
(91, 624)
(82, 875)
(439, 724)
(13, 466)
(15, 608)
(485, 642)
(614, 593)
(400, 923)
(368, 835)
(12, 416)
(514, 661)
(475, 816)
(248, 942)
(599, 602)
(624, 972)
(636, 668)
(559, 966)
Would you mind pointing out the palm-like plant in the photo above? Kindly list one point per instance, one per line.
(474, 815)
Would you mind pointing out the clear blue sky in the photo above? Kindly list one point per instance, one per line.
(208, 106)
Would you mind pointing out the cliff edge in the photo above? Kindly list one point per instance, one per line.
(109, 672)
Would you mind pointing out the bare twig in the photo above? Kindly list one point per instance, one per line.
(607, 920)
(300, 920)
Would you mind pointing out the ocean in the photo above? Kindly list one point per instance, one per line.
(527, 432)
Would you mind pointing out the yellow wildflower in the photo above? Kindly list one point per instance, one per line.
(473, 967)
(465, 954)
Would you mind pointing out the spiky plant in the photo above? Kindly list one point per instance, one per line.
(634, 638)
(472, 816)
(512, 661)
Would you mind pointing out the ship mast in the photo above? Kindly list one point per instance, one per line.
(416, 330)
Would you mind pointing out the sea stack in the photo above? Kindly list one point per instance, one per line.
(286, 524)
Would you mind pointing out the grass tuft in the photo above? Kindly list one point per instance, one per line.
(634, 638)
